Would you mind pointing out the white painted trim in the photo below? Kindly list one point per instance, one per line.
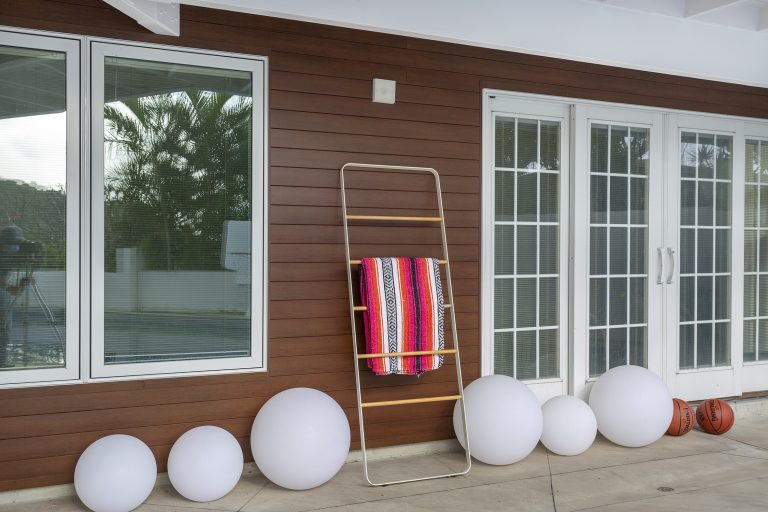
(160, 17)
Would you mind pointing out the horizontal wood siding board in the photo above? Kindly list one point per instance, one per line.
(321, 117)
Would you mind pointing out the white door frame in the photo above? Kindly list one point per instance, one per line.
(715, 381)
(511, 105)
(583, 116)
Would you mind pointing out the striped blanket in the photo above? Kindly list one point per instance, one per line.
(405, 312)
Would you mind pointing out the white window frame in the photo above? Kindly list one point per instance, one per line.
(71, 369)
(84, 272)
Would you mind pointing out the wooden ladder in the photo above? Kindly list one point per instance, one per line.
(354, 309)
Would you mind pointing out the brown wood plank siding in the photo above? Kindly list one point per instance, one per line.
(321, 116)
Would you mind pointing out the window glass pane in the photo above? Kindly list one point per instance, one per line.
(619, 200)
(549, 202)
(548, 249)
(599, 199)
(504, 249)
(598, 305)
(638, 197)
(527, 196)
(619, 149)
(526, 249)
(763, 340)
(723, 204)
(687, 251)
(687, 346)
(527, 144)
(619, 257)
(505, 195)
(706, 156)
(752, 162)
(637, 345)
(750, 296)
(598, 251)
(639, 150)
(599, 148)
(504, 303)
(704, 344)
(550, 145)
(33, 169)
(548, 301)
(597, 352)
(177, 212)
(505, 142)
(750, 341)
(724, 156)
(504, 353)
(526, 302)
(688, 156)
(525, 367)
(549, 354)
(617, 347)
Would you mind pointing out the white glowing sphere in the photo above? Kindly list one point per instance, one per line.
(503, 418)
(115, 474)
(205, 463)
(632, 405)
(569, 425)
(300, 438)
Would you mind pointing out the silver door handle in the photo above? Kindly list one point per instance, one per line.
(660, 268)
(671, 253)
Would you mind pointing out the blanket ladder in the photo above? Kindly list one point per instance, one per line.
(354, 309)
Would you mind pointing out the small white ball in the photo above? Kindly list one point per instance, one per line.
(503, 417)
(569, 425)
(115, 474)
(300, 438)
(632, 405)
(205, 463)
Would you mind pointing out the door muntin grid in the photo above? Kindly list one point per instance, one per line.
(618, 263)
(526, 317)
(756, 252)
(706, 168)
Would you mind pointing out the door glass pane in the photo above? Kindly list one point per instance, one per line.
(756, 252)
(33, 192)
(527, 248)
(177, 212)
(705, 249)
(618, 246)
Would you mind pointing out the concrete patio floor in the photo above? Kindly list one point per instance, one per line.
(697, 472)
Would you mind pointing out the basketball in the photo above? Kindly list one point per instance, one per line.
(682, 418)
(715, 416)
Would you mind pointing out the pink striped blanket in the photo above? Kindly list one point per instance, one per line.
(405, 313)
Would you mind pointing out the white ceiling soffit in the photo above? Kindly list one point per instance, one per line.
(741, 14)
(160, 17)
(657, 38)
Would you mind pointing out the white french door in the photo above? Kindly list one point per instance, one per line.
(525, 238)
(617, 296)
(704, 239)
(667, 259)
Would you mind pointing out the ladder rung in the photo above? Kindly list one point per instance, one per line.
(404, 354)
(358, 262)
(365, 308)
(412, 401)
(394, 217)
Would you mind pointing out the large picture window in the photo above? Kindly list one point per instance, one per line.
(174, 281)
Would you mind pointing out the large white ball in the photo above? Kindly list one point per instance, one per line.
(632, 405)
(569, 425)
(115, 474)
(503, 417)
(205, 463)
(300, 438)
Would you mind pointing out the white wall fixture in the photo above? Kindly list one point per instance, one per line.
(161, 17)
(384, 90)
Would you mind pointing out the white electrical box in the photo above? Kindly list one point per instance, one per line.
(383, 90)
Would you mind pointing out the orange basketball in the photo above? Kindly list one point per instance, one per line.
(682, 418)
(714, 416)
